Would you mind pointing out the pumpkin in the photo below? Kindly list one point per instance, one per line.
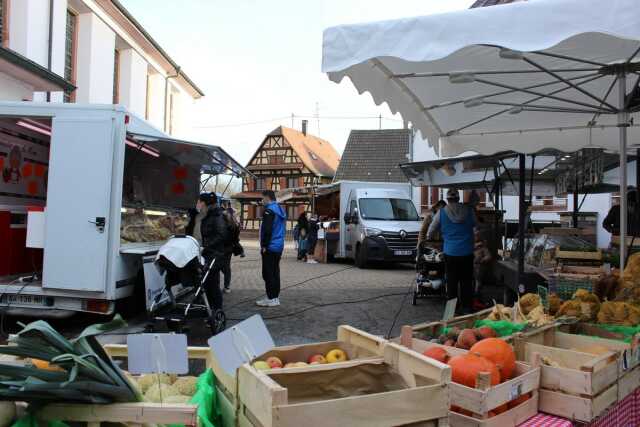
(485, 332)
(500, 409)
(516, 402)
(437, 353)
(466, 367)
(466, 339)
(500, 353)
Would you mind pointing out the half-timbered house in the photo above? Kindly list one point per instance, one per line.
(286, 158)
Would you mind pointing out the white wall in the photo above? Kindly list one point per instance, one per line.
(95, 61)
(29, 29)
(14, 90)
(156, 100)
(133, 81)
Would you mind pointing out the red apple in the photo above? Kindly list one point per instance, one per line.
(274, 362)
(317, 359)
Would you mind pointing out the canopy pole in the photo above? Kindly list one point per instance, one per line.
(576, 206)
(521, 221)
(623, 123)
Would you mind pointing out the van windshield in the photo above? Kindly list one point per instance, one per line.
(388, 210)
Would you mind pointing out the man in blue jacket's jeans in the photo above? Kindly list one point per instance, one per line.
(272, 231)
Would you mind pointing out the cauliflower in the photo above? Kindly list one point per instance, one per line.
(158, 393)
(186, 385)
(148, 380)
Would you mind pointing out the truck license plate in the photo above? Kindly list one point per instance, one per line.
(403, 253)
(22, 299)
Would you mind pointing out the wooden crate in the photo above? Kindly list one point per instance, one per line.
(512, 417)
(423, 397)
(356, 343)
(128, 413)
(582, 388)
(583, 409)
(629, 353)
(485, 398)
(579, 255)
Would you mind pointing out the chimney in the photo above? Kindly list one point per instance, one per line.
(304, 127)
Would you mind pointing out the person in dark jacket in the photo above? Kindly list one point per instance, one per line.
(272, 231)
(215, 239)
(612, 221)
(233, 247)
(303, 233)
(312, 238)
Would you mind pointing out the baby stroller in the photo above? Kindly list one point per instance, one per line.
(180, 261)
(430, 277)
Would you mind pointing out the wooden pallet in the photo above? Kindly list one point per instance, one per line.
(265, 402)
(128, 413)
(355, 343)
(484, 398)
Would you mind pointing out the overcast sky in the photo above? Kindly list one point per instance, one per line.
(259, 61)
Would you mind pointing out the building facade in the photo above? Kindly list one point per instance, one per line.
(103, 51)
(286, 159)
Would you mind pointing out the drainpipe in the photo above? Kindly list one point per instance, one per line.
(49, 54)
(166, 97)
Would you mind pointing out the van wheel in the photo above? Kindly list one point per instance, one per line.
(361, 258)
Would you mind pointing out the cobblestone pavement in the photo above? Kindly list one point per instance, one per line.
(315, 298)
(310, 297)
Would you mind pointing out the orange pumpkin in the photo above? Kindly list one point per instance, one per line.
(465, 369)
(500, 353)
(437, 353)
(516, 402)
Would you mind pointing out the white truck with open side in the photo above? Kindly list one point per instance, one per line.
(89, 169)
(378, 221)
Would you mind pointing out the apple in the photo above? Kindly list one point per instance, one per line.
(336, 355)
(261, 365)
(274, 362)
(317, 359)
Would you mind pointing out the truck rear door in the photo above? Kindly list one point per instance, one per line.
(78, 203)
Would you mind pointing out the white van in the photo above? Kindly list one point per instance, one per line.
(90, 169)
(378, 222)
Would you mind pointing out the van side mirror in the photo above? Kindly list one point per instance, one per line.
(347, 218)
(354, 217)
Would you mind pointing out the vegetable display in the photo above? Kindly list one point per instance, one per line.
(76, 370)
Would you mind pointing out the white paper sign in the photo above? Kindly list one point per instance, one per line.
(158, 353)
(450, 309)
(241, 343)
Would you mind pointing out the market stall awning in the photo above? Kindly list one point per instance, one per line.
(551, 171)
(523, 76)
(212, 159)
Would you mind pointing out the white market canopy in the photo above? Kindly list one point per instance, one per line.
(519, 77)
(523, 76)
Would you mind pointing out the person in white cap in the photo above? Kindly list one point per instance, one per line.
(456, 224)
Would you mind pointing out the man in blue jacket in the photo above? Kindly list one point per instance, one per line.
(456, 223)
(272, 233)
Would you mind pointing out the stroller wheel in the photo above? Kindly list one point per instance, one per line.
(217, 322)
